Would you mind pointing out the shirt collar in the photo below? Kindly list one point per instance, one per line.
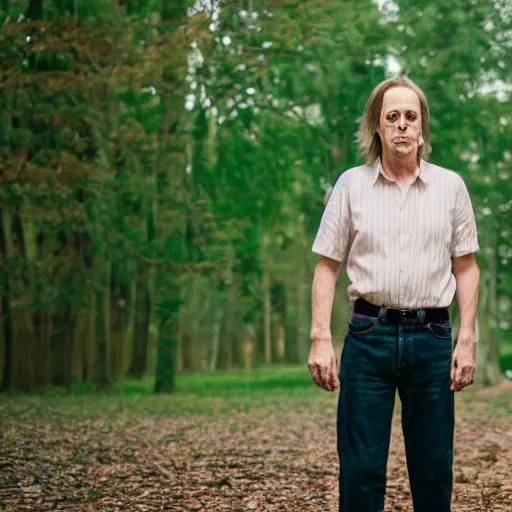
(421, 171)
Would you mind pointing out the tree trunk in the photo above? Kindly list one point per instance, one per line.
(62, 347)
(26, 355)
(43, 327)
(101, 325)
(267, 312)
(217, 324)
(167, 351)
(7, 321)
(231, 335)
(167, 292)
(84, 334)
(34, 10)
(24, 362)
(280, 338)
(116, 340)
(140, 321)
(291, 321)
(118, 302)
(42, 315)
(303, 315)
(488, 371)
(7, 328)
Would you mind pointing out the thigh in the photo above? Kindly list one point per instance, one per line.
(424, 384)
(427, 401)
(366, 399)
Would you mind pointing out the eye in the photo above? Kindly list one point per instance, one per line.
(392, 117)
(411, 117)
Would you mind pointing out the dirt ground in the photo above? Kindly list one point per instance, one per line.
(269, 459)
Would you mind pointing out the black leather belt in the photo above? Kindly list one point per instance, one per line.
(398, 316)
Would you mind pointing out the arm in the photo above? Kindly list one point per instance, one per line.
(467, 275)
(322, 358)
(331, 244)
(324, 285)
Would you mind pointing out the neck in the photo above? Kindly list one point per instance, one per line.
(399, 167)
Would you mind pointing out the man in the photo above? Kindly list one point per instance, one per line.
(408, 231)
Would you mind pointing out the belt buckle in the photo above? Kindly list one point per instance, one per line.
(405, 316)
(408, 316)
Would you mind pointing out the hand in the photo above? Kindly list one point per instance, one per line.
(322, 364)
(463, 361)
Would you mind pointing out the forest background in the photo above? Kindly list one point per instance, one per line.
(164, 163)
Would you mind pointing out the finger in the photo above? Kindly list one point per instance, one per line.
(329, 383)
(314, 374)
(464, 380)
(459, 374)
(457, 386)
(471, 373)
(320, 376)
(334, 375)
(312, 371)
(337, 372)
(467, 377)
(326, 377)
(461, 386)
(453, 370)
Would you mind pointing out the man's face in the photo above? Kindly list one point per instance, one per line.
(400, 121)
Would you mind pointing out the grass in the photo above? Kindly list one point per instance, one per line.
(228, 383)
(210, 393)
(205, 393)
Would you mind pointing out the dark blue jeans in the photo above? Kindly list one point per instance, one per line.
(377, 359)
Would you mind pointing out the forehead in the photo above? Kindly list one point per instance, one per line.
(400, 98)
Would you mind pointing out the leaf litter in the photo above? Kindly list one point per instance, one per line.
(274, 458)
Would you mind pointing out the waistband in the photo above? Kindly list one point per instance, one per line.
(401, 316)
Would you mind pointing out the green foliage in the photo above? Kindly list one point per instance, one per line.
(136, 134)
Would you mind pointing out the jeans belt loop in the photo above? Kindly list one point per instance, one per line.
(381, 317)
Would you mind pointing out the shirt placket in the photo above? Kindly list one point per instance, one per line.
(402, 241)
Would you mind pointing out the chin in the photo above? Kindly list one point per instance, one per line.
(402, 150)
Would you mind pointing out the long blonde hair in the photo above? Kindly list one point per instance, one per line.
(367, 137)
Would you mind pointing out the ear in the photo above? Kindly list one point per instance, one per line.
(421, 141)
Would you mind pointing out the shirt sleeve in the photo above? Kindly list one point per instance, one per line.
(464, 237)
(334, 232)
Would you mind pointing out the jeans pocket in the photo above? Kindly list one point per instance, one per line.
(361, 324)
(441, 330)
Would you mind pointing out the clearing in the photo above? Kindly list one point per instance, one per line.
(229, 441)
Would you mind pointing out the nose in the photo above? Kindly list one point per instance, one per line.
(401, 124)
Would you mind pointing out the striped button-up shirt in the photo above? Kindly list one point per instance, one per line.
(398, 244)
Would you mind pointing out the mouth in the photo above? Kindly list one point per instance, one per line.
(401, 140)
